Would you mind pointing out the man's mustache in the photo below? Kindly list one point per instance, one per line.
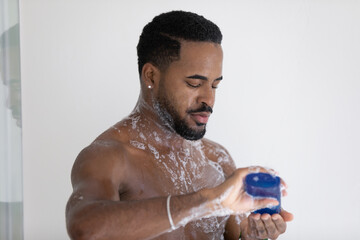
(203, 108)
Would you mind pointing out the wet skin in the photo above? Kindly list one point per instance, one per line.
(122, 179)
(160, 164)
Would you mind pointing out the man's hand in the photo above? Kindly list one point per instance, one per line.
(232, 196)
(264, 226)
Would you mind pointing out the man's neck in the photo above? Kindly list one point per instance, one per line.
(147, 122)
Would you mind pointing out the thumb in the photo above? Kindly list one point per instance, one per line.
(287, 216)
(265, 203)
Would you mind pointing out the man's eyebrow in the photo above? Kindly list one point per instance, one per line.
(197, 76)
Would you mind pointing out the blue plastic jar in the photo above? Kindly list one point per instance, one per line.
(260, 185)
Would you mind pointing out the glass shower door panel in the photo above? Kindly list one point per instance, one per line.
(11, 199)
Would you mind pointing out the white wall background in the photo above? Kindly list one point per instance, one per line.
(289, 100)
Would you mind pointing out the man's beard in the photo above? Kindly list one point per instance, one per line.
(166, 111)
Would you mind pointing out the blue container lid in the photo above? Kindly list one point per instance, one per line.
(262, 185)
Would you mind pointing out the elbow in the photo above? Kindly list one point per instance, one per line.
(83, 223)
(80, 230)
(76, 232)
(79, 224)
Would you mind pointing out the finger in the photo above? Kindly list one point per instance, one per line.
(279, 223)
(260, 228)
(283, 184)
(257, 169)
(242, 172)
(283, 188)
(284, 193)
(272, 171)
(287, 216)
(252, 231)
(271, 229)
(264, 203)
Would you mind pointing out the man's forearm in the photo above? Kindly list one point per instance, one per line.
(141, 219)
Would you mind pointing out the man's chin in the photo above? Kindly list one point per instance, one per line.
(193, 138)
(191, 133)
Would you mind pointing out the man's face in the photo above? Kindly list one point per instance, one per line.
(186, 92)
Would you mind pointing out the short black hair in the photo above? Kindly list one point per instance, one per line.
(159, 41)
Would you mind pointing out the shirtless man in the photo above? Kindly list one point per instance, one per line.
(153, 175)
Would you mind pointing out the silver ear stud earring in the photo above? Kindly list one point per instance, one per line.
(149, 86)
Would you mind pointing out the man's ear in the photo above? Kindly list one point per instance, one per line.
(150, 75)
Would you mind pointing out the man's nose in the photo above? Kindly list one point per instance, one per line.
(207, 96)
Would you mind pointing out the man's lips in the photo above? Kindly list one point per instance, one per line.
(201, 117)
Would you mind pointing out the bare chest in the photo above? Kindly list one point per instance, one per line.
(160, 173)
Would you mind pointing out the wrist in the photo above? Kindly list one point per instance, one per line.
(187, 208)
(213, 203)
(210, 200)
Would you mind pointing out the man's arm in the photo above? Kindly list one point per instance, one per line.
(95, 210)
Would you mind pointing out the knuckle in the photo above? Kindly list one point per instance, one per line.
(261, 228)
(261, 233)
(272, 231)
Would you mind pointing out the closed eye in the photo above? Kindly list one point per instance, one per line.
(194, 79)
(193, 85)
(216, 84)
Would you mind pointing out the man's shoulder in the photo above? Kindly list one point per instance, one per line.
(104, 158)
(217, 153)
(108, 146)
(115, 134)
(100, 154)
(116, 141)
